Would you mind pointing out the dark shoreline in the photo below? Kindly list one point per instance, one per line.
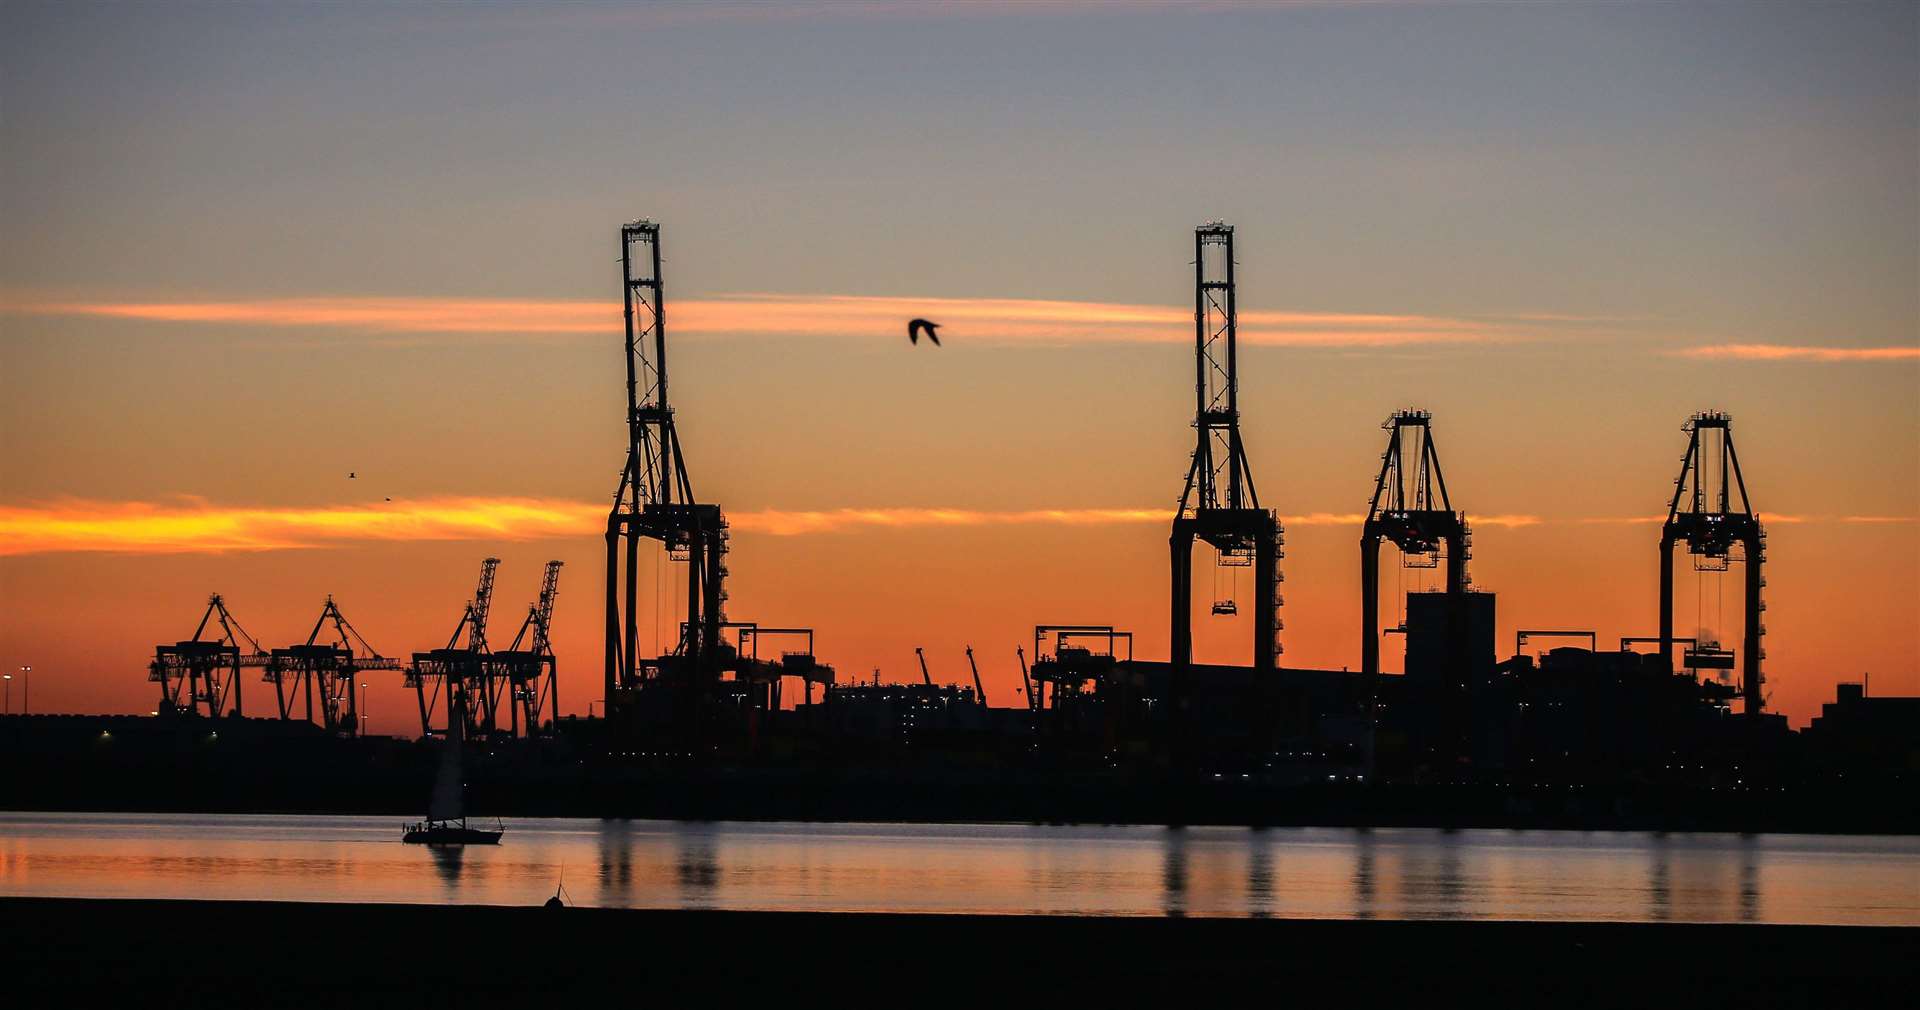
(129, 764)
(203, 953)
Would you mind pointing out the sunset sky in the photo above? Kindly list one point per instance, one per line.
(246, 251)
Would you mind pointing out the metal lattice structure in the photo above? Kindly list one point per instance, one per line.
(528, 667)
(461, 671)
(201, 676)
(655, 501)
(1219, 505)
(327, 671)
(1409, 509)
(1710, 511)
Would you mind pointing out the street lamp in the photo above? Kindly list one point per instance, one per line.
(26, 689)
(363, 710)
(8, 707)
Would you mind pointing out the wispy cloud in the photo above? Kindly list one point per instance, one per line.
(976, 320)
(194, 526)
(1784, 352)
(198, 527)
(367, 315)
(1765, 517)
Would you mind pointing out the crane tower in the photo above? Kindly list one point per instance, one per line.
(1711, 513)
(1411, 510)
(1219, 505)
(655, 501)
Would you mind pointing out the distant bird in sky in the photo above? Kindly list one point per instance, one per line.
(389, 499)
(352, 475)
(916, 325)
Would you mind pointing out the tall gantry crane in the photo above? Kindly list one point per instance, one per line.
(1718, 530)
(1411, 510)
(655, 501)
(328, 669)
(204, 673)
(462, 671)
(528, 666)
(1219, 504)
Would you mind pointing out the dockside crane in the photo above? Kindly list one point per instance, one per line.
(1410, 509)
(1719, 529)
(201, 676)
(979, 689)
(655, 501)
(329, 669)
(528, 666)
(462, 671)
(1219, 505)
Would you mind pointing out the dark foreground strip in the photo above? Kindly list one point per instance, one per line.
(57, 952)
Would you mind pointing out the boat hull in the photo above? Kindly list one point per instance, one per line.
(451, 836)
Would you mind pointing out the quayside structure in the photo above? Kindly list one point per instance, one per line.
(682, 699)
(457, 673)
(200, 676)
(1219, 505)
(1711, 513)
(527, 670)
(1410, 509)
(325, 669)
(655, 501)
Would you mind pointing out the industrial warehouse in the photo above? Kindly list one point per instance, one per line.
(752, 706)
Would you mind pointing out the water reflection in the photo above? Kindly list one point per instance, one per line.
(1437, 883)
(616, 861)
(1363, 884)
(1659, 887)
(1259, 875)
(1749, 879)
(1195, 871)
(446, 863)
(1173, 873)
(696, 864)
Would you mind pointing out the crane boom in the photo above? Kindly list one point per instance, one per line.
(979, 691)
(543, 610)
(482, 602)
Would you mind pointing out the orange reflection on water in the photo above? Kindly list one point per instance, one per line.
(1012, 869)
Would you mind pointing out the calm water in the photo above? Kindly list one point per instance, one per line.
(1408, 874)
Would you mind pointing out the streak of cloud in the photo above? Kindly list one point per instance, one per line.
(1650, 520)
(1783, 352)
(194, 526)
(977, 320)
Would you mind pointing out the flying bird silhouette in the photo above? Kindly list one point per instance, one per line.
(914, 327)
(352, 475)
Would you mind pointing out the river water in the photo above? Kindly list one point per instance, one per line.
(988, 868)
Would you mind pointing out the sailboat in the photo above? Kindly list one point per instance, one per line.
(446, 822)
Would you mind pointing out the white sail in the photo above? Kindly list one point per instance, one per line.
(446, 804)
